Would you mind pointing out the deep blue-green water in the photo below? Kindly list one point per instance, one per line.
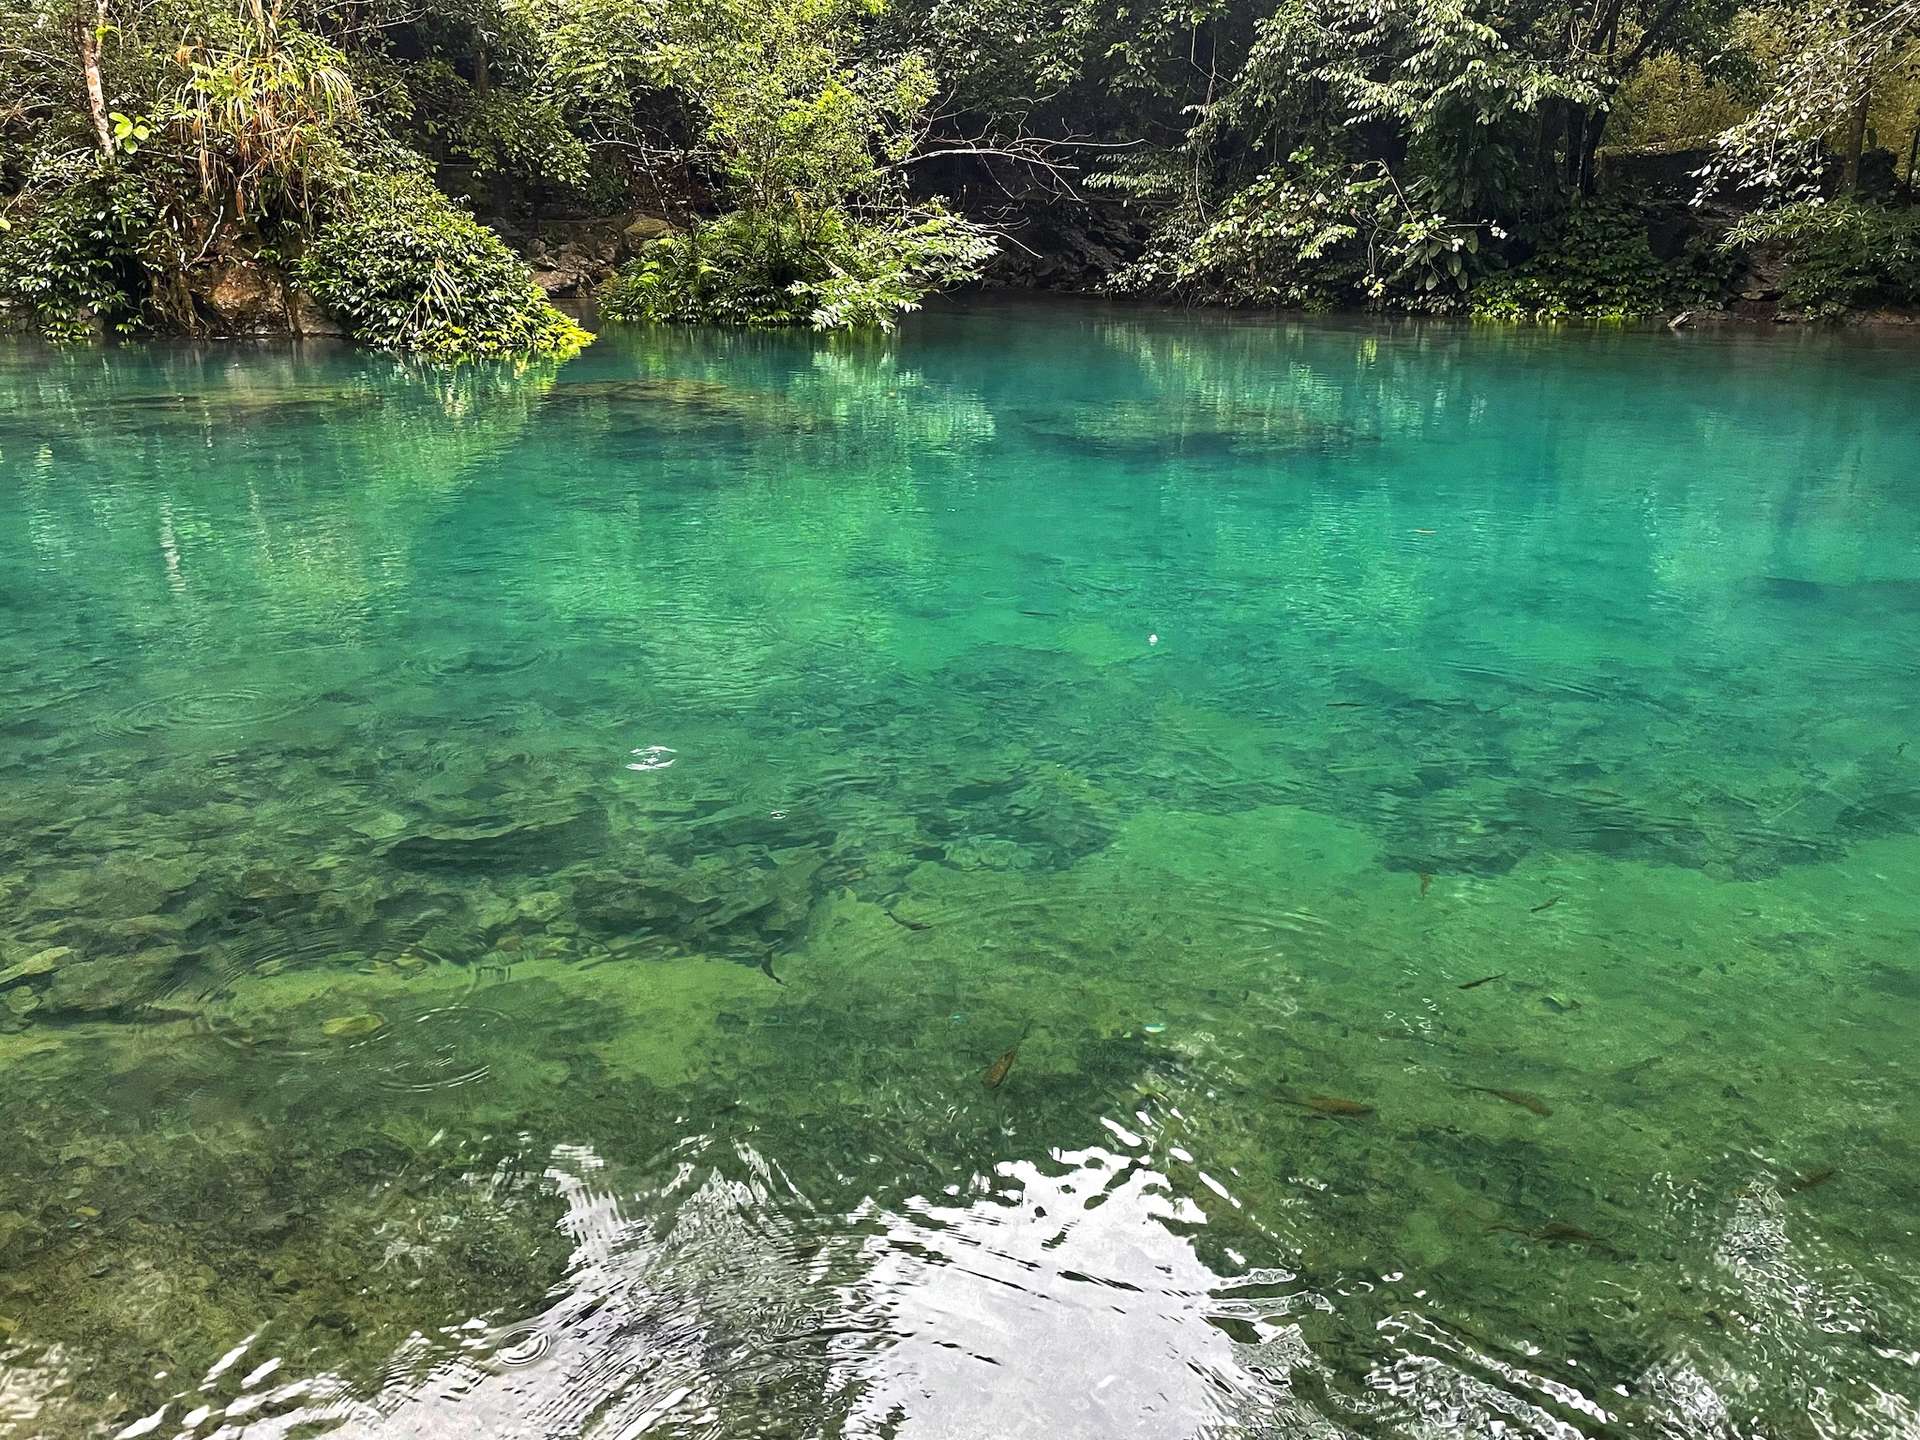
(1070, 873)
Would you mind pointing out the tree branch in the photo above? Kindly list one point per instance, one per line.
(1650, 36)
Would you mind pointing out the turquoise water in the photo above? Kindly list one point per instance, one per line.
(514, 886)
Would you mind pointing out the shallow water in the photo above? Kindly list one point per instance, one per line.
(513, 884)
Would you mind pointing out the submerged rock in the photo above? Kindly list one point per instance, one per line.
(111, 984)
(546, 844)
(1133, 429)
(12, 1225)
(45, 962)
(352, 1027)
(685, 403)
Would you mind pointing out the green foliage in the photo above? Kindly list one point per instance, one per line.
(1825, 65)
(1422, 135)
(70, 262)
(238, 132)
(594, 62)
(130, 132)
(1842, 255)
(810, 136)
(737, 270)
(1674, 100)
(995, 57)
(831, 271)
(1595, 263)
(1441, 73)
(793, 112)
(1438, 127)
(1315, 233)
(410, 271)
(523, 136)
(265, 107)
(514, 135)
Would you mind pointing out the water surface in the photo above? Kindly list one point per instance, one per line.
(512, 884)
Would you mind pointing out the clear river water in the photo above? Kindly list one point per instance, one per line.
(1073, 872)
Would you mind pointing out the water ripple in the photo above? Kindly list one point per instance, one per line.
(202, 710)
(444, 1048)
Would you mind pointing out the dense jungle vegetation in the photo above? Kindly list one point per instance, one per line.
(421, 173)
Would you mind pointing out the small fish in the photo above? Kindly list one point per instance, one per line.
(1346, 704)
(1483, 980)
(1554, 1232)
(997, 1072)
(1812, 1180)
(1333, 1105)
(1426, 884)
(1559, 1232)
(352, 1027)
(766, 969)
(1524, 1099)
(1900, 749)
(908, 924)
(1545, 905)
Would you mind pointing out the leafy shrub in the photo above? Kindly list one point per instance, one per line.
(1315, 233)
(1672, 99)
(1842, 255)
(511, 135)
(267, 109)
(826, 269)
(739, 269)
(409, 270)
(72, 261)
(809, 129)
(1595, 262)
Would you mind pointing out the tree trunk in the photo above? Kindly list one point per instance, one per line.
(493, 197)
(1586, 125)
(1856, 140)
(1576, 144)
(86, 33)
(1595, 131)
